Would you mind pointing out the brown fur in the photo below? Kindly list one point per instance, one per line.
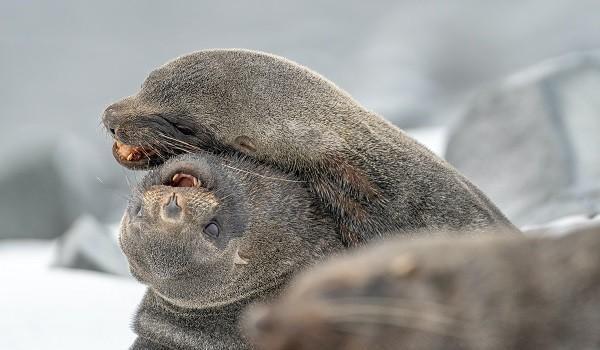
(198, 283)
(371, 177)
(471, 293)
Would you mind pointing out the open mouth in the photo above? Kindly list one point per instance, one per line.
(135, 157)
(183, 180)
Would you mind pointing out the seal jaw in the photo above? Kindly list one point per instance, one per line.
(135, 157)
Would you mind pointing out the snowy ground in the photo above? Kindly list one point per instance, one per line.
(50, 308)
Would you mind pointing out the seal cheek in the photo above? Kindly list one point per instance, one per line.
(245, 144)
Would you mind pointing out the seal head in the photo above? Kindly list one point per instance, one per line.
(205, 231)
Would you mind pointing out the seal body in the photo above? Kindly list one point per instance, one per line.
(209, 235)
(371, 177)
(469, 293)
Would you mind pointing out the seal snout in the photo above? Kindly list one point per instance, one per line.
(117, 122)
(172, 211)
(173, 203)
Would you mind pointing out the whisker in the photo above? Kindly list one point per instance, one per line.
(391, 302)
(113, 189)
(260, 175)
(354, 324)
(396, 316)
(190, 146)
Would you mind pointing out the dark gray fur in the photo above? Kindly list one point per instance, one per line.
(372, 177)
(470, 293)
(196, 290)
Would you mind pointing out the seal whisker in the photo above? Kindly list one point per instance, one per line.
(169, 146)
(192, 147)
(260, 175)
(369, 300)
(113, 189)
(350, 310)
(353, 324)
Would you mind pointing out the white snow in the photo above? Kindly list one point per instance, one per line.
(434, 138)
(50, 308)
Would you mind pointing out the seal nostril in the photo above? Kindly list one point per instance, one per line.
(112, 131)
(172, 210)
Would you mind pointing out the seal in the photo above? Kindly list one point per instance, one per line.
(372, 177)
(485, 293)
(208, 235)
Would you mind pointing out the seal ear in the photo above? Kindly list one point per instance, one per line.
(245, 144)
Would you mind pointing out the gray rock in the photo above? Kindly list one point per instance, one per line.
(48, 179)
(88, 245)
(531, 142)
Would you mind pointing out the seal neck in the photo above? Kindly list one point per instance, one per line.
(160, 322)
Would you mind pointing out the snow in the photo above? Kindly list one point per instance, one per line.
(433, 138)
(52, 308)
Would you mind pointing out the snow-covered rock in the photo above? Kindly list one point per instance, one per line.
(48, 179)
(89, 245)
(531, 142)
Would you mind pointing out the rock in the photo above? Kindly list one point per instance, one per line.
(50, 178)
(531, 142)
(88, 245)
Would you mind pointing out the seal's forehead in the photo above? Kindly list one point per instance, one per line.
(177, 81)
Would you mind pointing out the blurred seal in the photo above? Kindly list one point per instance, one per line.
(469, 293)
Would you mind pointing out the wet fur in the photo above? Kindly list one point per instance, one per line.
(469, 293)
(373, 178)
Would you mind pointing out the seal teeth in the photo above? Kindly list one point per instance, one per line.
(238, 260)
(184, 180)
(130, 157)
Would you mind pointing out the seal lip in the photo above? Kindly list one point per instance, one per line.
(187, 171)
(148, 160)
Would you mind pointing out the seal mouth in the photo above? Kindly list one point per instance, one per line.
(135, 157)
(182, 179)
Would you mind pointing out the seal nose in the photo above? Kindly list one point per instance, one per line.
(109, 118)
(171, 210)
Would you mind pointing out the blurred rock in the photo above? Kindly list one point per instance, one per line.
(562, 226)
(531, 142)
(88, 245)
(50, 178)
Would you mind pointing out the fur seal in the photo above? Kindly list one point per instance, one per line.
(468, 293)
(208, 235)
(371, 176)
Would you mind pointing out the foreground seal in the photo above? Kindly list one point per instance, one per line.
(208, 235)
(471, 293)
(372, 177)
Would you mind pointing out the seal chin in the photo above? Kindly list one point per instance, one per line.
(135, 157)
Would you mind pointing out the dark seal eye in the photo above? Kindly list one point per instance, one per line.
(212, 230)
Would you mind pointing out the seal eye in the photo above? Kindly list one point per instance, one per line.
(212, 230)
